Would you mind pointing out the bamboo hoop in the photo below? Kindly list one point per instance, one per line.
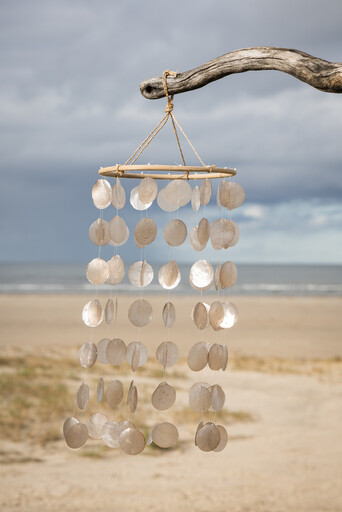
(175, 172)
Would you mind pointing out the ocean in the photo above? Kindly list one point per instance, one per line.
(298, 280)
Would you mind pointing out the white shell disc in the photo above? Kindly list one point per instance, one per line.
(110, 434)
(132, 441)
(92, 313)
(82, 396)
(167, 353)
(116, 269)
(222, 232)
(205, 192)
(69, 422)
(122, 425)
(200, 315)
(217, 397)
(216, 314)
(169, 275)
(116, 351)
(145, 232)
(198, 356)
(101, 350)
(194, 242)
(178, 192)
(140, 313)
(224, 357)
(203, 231)
(217, 277)
(163, 397)
(76, 435)
(147, 190)
(201, 275)
(118, 195)
(135, 200)
(224, 193)
(109, 311)
(165, 435)
(114, 393)
(224, 439)
(215, 357)
(95, 425)
(87, 354)
(118, 231)
(97, 271)
(169, 314)
(228, 274)
(199, 397)
(195, 199)
(99, 232)
(236, 195)
(231, 315)
(175, 232)
(164, 203)
(101, 194)
(140, 274)
(236, 236)
(208, 437)
(100, 390)
(136, 355)
(132, 397)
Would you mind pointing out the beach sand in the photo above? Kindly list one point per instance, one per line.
(283, 411)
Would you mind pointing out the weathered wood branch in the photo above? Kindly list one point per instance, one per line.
(321, 74)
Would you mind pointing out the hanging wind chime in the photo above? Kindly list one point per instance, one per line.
(221, 314)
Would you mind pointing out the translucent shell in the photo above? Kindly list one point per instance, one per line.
(76, 435)
(200, 315)
(208, 437)
(100, 390)
(147, 190)
(169, 314)
(99, 232)
(132, 441)
(87, 354)
(114, 393)
(132, 397)
(136, 355)
(116, 268)
(164, 203)
(175, 232)
(205, 192)
(194, 242)
(97, 271)
(116, 351)
(101, 350)
(167, 354)
(217, 397)
(110, 434)
(236, 195)
(224, 193)
(82, 396)
(92, 313)
(198, 356)
(223, 440)
(201, 275)
(140, 313)
(95, 425)
(69, 422)
(145, 232)
(118, 231)
(109, 311)
(222, 233)
(215, 357)
(165, 435)
(223, 315)
(101, 194)
(217, 277)
(169, 275)
(163, 397)
(236, 236)
(199, 397)
(135, 200)
(228, 274)
(224, 357)
(140, 274)
(203, 231)
(174, 195)
(118, 195)
(195, 199)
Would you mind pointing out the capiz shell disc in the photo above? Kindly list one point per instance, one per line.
(236, 195)
(95, 425)
(217, 397)
(140, 274)
(132, 398)
(132, 441)
(97, 271)
(224, 357)
(167, 353)
(222, 232)
(118, 195)
(92, 313)
(109, 311)
(223, 440)
(100, 390)
(82, 396)
(203, 231)
(195, 199)
(163, 397)
(145, 231)
(99, 232)
(101, 350)
(147, 190)
(215, 357)
(228, 274)
(200, 315)
(87, 354)
(101, 194)
(164, 203)
(140, 313)
(165, 435)
(116, 268)
(69, 422)
(116, 351)
(205, 192)
(135, 200)
(118, 231)
(136, 354)
(110, 434)
(201, 275)
(178, 192)
(175, 232)
(169, 314)
(194, 242)
(76, 435)
(199, 397)
(114, 393)
(198, 356)
(169, 275)
(208, 437)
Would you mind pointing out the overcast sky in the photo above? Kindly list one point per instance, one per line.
(70, 103)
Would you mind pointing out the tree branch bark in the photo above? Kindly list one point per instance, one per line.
(321, 74)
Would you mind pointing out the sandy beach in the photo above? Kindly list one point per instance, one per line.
(283, 410)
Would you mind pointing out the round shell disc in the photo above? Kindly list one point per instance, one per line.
(69, 422)
(110, 434)
(95, 425)
(135, 200)
(101, 194)
(228, 274)
(208, 437)
(199, 397)
(116, 269)
(167, 353)
(194, 242)
(118, 195)
(201, 275)
(147, 190)
(132, 398)
(116, 351)
(164, 203)
(136, 354)
(216, 314)
(224, 357)
(92, 313)
(217, 397)
(199, 426)
(109, 311)
(236, 236)
(82, 396)
(230, 315)
(114, 393)
(100, 390)
(140, 274)
(122, 425)
(87, 354)
(132, 441)
(203, 231)
(145, 231)
(169, 314)
(163, 397)
(99, 232)
(222, 232)
(205, 192)
(195, 199)
(224, 193)
(236, 195)
(169, 275)
(178, 192)
(165, 435)
(97, 271)
(200, 315)
(140, 313)
(76, 435)
(118, 231)
(215, 357)
(101, 350)
(224, 439)
(198, 356)
(175, 232)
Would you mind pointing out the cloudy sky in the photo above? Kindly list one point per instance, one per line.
(70, 103)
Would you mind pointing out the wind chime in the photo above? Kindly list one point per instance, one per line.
(223, 233)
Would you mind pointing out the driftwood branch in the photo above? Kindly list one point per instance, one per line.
(321, 74)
